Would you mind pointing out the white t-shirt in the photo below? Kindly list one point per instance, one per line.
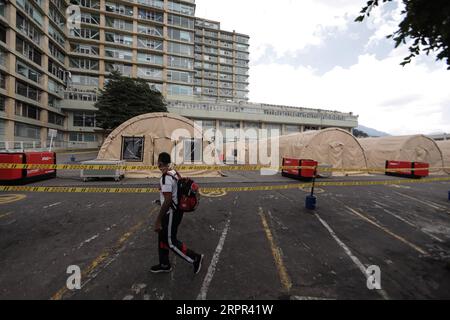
(170, 185)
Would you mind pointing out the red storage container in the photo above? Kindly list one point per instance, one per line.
(12, 174)
(298, 173)
(17, 176)
(406, 169)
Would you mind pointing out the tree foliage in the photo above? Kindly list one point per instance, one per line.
(426, 23)
(124, 98)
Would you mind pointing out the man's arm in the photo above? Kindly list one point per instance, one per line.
(164, 208)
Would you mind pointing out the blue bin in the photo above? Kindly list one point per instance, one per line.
(311, 202)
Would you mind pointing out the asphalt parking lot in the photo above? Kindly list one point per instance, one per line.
(257, 245)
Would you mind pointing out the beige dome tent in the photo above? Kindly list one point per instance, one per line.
(140, 140)
(334, 147)
(417, 148)
(445, 149)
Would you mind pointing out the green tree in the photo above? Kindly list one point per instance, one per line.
(425, 22)
(124, 98)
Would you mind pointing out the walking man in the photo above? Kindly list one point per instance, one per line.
(168, 220)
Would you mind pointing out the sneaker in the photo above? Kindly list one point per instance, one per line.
(198, 264)
(159, 268)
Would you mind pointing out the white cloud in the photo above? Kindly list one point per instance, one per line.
(388, 97)
(287, 25)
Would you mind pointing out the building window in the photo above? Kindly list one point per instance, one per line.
(2, 80)
(119, 54)
(27, 111)
(2, 103)
(133, 149)
(2, 34)
(150, 58)
(85, 33)
(84, 49)
(119, 9)
(149, 73)
(179, 62)
(124, 69)
(26, 131)
(81, 63)
(27, 72)
(178, 21)
(150, 30)
(150, 15)
(2, 7)
(94, 4)
(182, 8)
(28, 29)
(84, 80)
(178, 90)
(84, 119)
(182, 49)
(119, 38)
(119, 24)
(180, 76)
(27, 91)
(150, 44)
(55, 118)
(192, 150)
(30, 9)
(28, 51)
(82, 137)
(180, 35)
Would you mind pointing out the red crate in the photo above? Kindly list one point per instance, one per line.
(421, 165)
(299, 173)
(406, 169)
(40, 158)
(13, 176)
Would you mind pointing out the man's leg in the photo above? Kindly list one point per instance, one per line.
(163, 249)
(177, 246)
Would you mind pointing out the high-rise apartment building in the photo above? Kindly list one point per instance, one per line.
(51, 71)
(33, 51)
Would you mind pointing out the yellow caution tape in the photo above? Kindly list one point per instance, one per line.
(200, 167)
(221, 189)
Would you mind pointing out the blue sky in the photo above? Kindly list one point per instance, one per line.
(311, 53)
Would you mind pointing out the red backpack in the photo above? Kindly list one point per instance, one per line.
(188, 193)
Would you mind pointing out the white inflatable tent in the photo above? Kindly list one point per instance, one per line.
(416, 148)
(445, 149)
(332, 147)
(140, 140)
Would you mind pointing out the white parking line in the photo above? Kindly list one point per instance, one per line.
(52, 205)
(427, 203)
(396, 236)
(407, 222)
(212, 266)
(349, 253)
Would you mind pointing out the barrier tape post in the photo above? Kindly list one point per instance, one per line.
(311, 200)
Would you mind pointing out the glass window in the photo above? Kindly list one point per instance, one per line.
(150, 58)
(192, 150)
(179, 90)
(133, 149)
(180, 76)
(119, 54)
(179, 21)
(182, 49)
(181, 35)
(187, 9)
(179, 62)
(84, 119)
(26, 131)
